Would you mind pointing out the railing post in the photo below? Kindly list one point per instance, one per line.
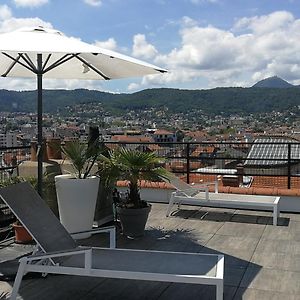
(188, 162)
(289, 166)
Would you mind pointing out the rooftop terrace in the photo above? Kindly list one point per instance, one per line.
(261, 261)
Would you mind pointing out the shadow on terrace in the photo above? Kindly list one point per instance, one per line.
(172, 234)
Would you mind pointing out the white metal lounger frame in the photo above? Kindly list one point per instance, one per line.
(27, 266)
(179, 197)
(49, 262)
(186, 191)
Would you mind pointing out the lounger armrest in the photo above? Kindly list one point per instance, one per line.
(193, 189)
(109, 229)
(208, 183)
(62, 253)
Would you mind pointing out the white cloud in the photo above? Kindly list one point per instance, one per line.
(30, 3)
(188, 22)
(66, 84)
(157, 80)
(141, 48)
(15, 23)
(132, 87)
(278, 20)
(93, 2)
(254, 49)
(109, 44)
(5, 12)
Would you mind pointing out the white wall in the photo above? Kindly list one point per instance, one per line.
(286, 204)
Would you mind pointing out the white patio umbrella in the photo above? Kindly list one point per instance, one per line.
(40, 52)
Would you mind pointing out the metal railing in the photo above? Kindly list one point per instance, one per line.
(10, 159)
(260, 159)
(270, 164)
(276, 162)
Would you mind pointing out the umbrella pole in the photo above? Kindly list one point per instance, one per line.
(40, 123)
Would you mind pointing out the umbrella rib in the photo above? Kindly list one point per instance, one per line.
(16, 61)
(91, 67)
(28, 60)
(60, 61)
(10, 67)
(161, 71)
(45, 63)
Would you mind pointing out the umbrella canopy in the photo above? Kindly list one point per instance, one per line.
(64, 57)
(40, 52)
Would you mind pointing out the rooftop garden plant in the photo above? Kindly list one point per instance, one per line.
(82, 156)
(132, 166)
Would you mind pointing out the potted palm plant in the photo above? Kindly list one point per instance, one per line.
(133, 166)
(77, 192)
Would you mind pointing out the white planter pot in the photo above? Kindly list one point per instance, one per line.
(76, 199)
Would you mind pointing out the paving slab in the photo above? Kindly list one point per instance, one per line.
(238, 251)
(164, 222)
(216, 214)
(291, 216)
(252, 219)
(277, 260)
(273, 280)
(255, 294)
(201, 226)
(185, 211)
(57, 287)
(290, 247)
(233, 243)
(14, 250)
(242, 230)
(290, 232)
(195, 291)
(233, 275)
(116, 289)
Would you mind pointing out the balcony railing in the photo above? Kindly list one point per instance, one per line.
(274, 164)
(10, 159)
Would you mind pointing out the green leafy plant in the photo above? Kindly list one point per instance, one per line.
(82, 156)
(132, 166)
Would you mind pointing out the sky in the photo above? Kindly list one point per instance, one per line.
(202, 43)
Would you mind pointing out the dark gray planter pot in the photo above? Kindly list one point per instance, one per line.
(133, 220)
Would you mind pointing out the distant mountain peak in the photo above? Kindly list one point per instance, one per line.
(273, 82)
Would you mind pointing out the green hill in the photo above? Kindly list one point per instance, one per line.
(213, 101)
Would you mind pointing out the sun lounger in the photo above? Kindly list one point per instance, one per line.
(187, 194)
(185, 191)
(61, 255)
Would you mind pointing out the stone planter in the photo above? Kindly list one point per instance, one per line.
(76, 199)
(133, 220)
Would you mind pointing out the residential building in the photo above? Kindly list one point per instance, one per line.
(8, 140)
(164, 136)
